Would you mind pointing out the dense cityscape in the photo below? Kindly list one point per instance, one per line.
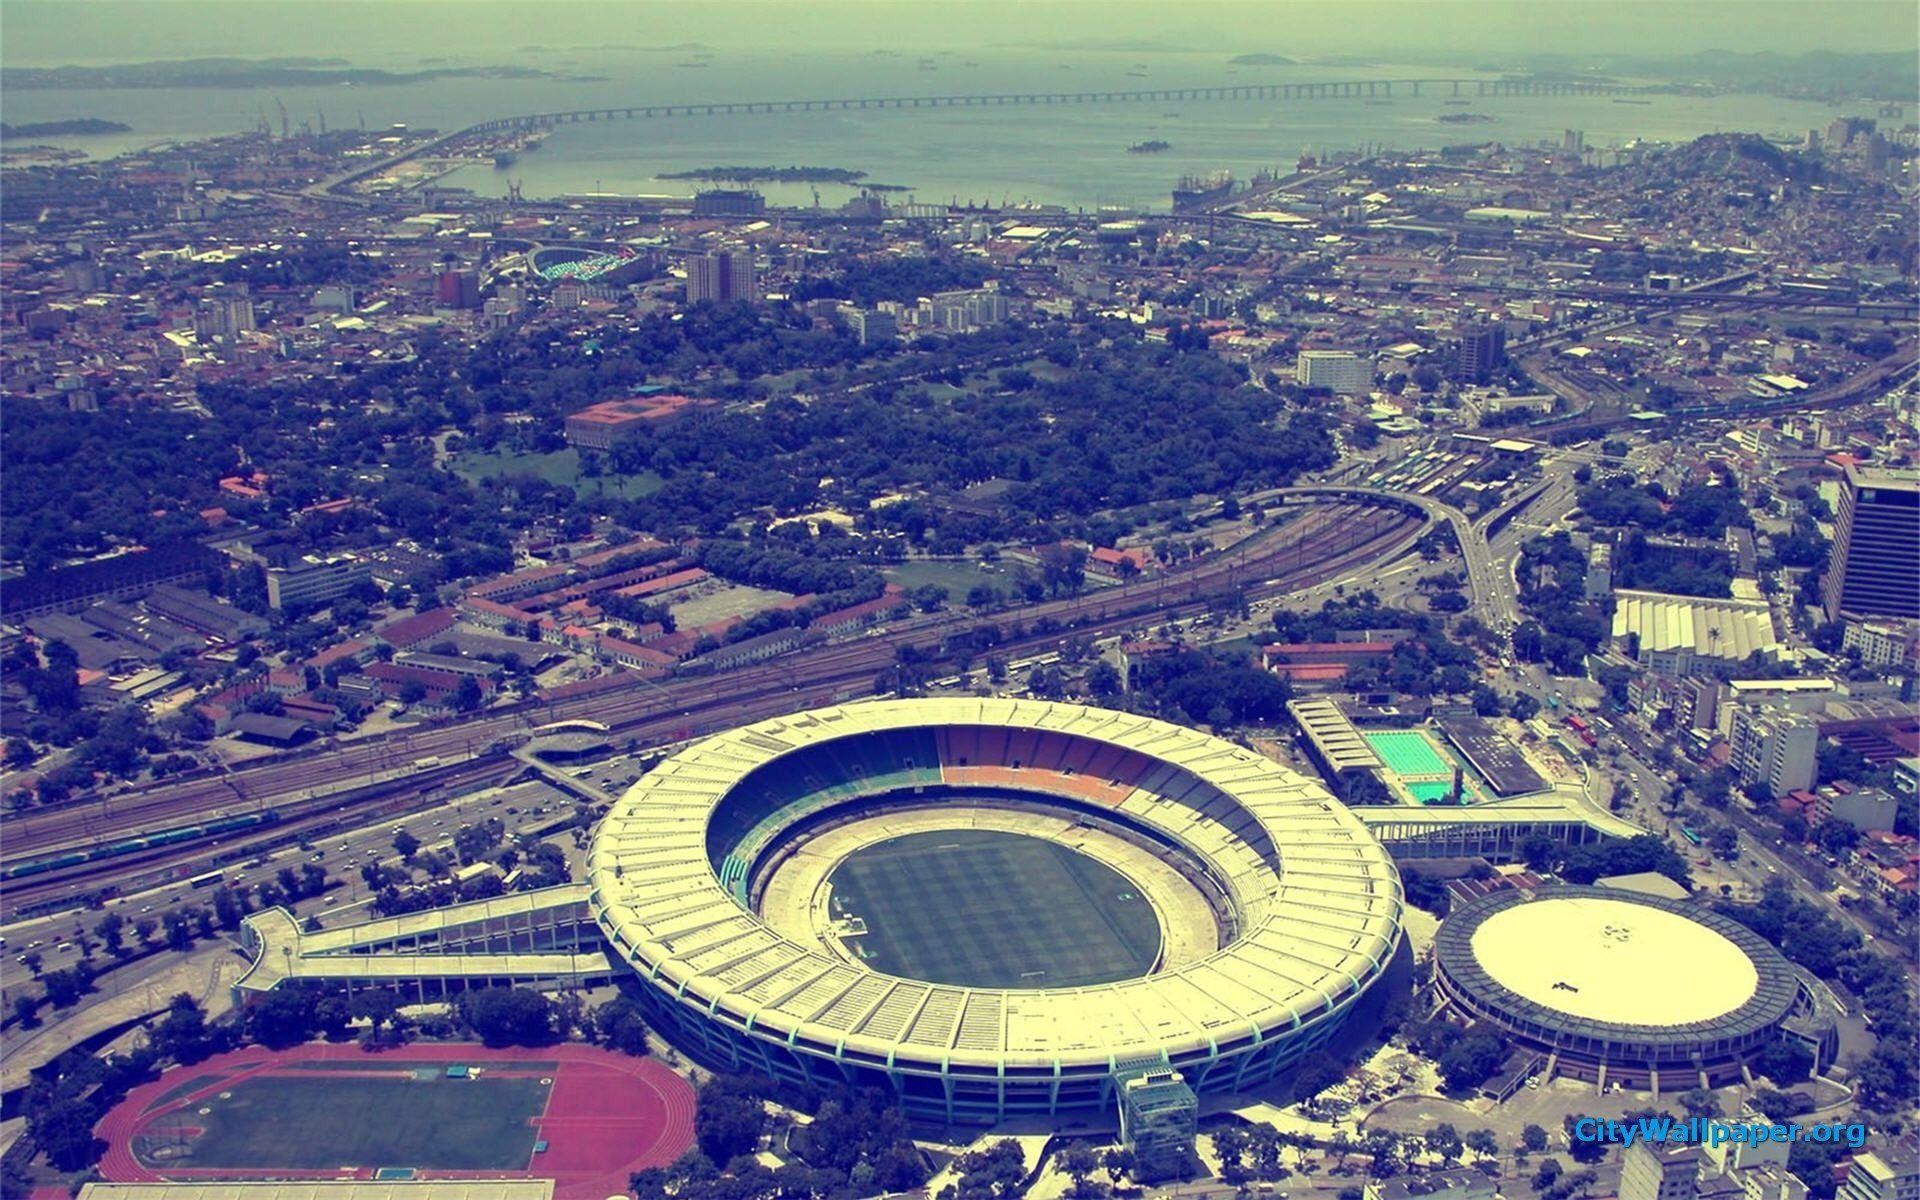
(1340, 682)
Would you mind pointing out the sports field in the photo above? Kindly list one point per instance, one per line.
(375, 1120)
(984, 908)
(583, 1117)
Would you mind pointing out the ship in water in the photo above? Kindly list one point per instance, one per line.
(1198, 191)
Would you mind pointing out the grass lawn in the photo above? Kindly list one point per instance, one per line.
(318, 1123)
(958, 577)
(560, 467)
(982, 908)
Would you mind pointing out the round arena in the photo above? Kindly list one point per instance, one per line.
(1616, 986)
(991, 906)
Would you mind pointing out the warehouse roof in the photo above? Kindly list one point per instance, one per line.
(1729, 629)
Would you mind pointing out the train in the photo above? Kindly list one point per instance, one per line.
(152, 841)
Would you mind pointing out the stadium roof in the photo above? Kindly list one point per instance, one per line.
(1730, 629)
(1340, 745)
(1318, 918)
(1614, 960)
(282, 950)
(1614, 966)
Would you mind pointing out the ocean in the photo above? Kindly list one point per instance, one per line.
(1073, 155)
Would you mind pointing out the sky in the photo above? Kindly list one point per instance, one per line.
(48, 32)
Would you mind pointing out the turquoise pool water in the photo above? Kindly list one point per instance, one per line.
(1408, 753)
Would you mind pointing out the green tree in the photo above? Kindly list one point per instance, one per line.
(509, 1016)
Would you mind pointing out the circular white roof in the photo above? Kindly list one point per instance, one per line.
(1615, 961)
(1317, 896)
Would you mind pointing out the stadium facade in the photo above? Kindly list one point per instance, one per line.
(1307, 901)
(1614, 986)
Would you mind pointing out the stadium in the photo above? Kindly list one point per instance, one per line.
(991, 907)
(1614, 986)
(558, 264)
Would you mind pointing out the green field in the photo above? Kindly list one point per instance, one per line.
(319, 1123)
(560, 467)
(957, 576)
(981, 908)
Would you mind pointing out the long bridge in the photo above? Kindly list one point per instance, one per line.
(1356, 89)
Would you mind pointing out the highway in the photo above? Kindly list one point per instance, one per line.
(1491, 590)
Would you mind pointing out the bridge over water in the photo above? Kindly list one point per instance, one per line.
(1358, 89)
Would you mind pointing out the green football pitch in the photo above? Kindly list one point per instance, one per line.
(982, 908)
(327, 1121)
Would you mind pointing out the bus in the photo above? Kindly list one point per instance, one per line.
(1688, 833)
(210, 879)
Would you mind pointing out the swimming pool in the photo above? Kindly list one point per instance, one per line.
(1409, 754)
(1435, 793)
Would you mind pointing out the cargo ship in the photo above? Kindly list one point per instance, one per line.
(1196, 191)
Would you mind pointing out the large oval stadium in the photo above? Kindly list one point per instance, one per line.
(1616, 986)
(991, 906)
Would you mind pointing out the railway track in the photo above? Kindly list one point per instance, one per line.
(1309, 550)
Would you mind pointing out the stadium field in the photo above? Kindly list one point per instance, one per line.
(388, 1118)
(985, 908)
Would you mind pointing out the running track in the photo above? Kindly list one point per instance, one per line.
(607, 1115)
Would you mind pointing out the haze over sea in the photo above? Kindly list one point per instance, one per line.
(1074, 155)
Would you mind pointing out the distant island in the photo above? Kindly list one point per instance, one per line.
(1155, 147)
(1260, 60)
(1463, 118)
(244, 73)
(76, 128)
(623, 47)
(769, 174)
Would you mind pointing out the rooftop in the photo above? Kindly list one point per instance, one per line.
(1730, 629)
(1614, 961)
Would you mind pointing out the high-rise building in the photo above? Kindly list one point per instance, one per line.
(1884, 645)
(1573, 141)
(1773, 750)
(1483, 350)
(1341, 372)
(223, 316)
(722, 276)
(1659, 1171)
(1875, 568)
(458, 289)
(872, 326)
(1892, 1174)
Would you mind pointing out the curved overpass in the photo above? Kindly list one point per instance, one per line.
(1484, 586)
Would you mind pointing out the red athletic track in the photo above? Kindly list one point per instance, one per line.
(607, 1115)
